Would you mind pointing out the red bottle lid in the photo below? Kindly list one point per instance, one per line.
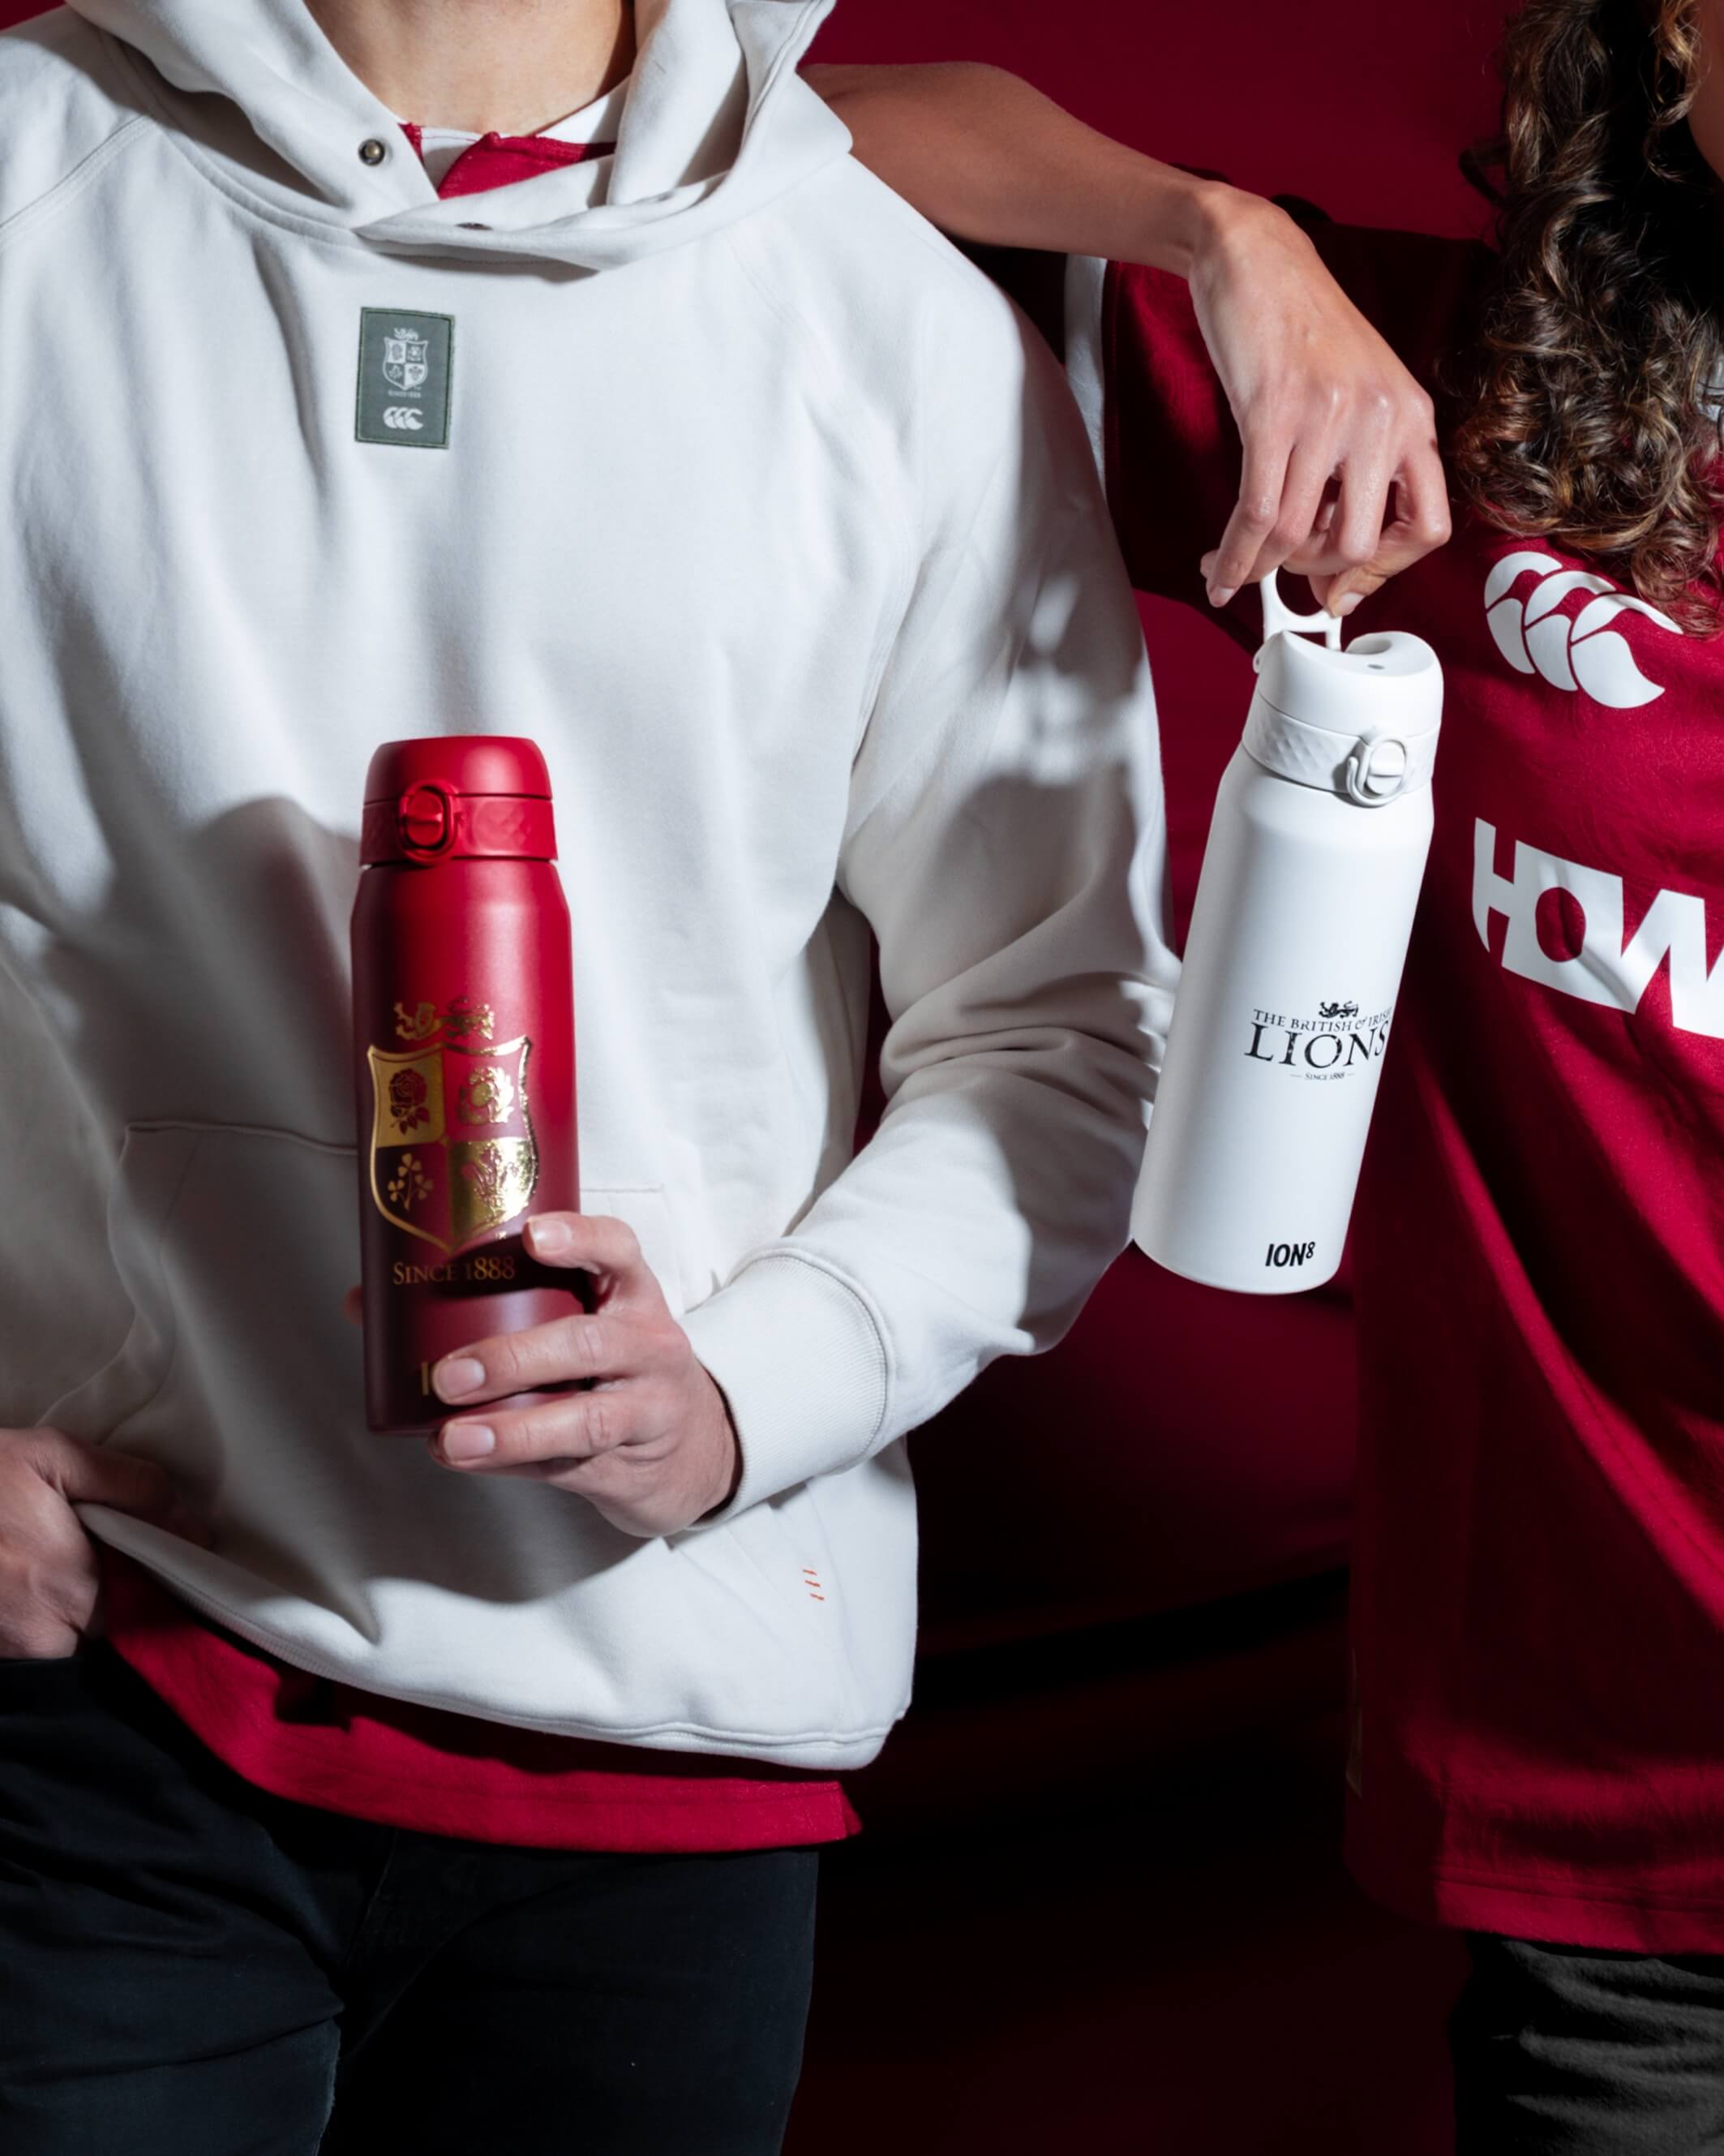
(446, 796)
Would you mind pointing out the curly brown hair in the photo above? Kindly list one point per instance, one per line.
(1590, 416)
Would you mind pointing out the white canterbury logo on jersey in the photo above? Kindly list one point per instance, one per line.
(1581, 652)
(1608, 966)
(403, 416)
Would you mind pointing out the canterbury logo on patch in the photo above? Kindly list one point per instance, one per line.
(405, 362)
(1577, 651)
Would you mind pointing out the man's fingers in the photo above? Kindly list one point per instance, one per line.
(559, 1434)
(594, 1243)
(94, 1475)
(572, 1350)
(353, 1306)
(88, 1474)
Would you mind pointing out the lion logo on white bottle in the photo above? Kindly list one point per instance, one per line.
(1574, 652)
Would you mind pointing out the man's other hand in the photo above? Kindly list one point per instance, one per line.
(649, 1443)
(49, 1578)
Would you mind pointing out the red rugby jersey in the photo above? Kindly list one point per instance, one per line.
(1539, 1602)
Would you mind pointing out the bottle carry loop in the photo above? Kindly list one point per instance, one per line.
(1279, 616)
(1370, 766)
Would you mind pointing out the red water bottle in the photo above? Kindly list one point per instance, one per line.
(464, 1042)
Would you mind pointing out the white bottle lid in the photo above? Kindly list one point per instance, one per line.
(1362, 723)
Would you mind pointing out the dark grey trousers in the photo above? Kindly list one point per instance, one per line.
(191, 1967)
(1568, 2052)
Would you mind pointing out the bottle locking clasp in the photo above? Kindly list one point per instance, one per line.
(425, 820)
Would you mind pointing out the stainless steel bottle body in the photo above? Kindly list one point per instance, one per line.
(1284, 1014)
(1292, 967)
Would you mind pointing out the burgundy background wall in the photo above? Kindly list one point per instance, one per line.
(1364, 116)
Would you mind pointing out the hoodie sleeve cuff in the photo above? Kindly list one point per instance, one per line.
(801, 1360)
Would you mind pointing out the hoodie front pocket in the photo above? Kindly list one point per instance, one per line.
(151, 1169)
(235, 1245)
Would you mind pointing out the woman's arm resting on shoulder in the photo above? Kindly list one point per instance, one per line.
(1342, 477)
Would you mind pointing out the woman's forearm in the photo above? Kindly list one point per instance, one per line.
(987, 157)
(1341, 476)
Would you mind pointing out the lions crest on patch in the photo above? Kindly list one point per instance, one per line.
(405, 363)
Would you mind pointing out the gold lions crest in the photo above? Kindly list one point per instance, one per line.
(453, 1153)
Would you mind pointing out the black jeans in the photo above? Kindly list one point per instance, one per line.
(1568, 2052)
(191, 1967)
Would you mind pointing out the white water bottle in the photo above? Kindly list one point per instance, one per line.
(1293, 962)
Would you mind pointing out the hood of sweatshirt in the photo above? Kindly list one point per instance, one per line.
(717, 122)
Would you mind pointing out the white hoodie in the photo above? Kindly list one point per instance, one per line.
(762, 513)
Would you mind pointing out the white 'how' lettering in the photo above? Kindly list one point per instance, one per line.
(1610, 967)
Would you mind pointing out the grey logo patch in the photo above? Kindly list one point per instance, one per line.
(404, 377)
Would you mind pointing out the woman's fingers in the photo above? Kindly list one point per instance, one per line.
(1263, 482)
(1418, 524)
(1315, 391)
(1333, 479)
(1361, 516)
(1303, 515)
(1349, 533)
(1269, 534)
